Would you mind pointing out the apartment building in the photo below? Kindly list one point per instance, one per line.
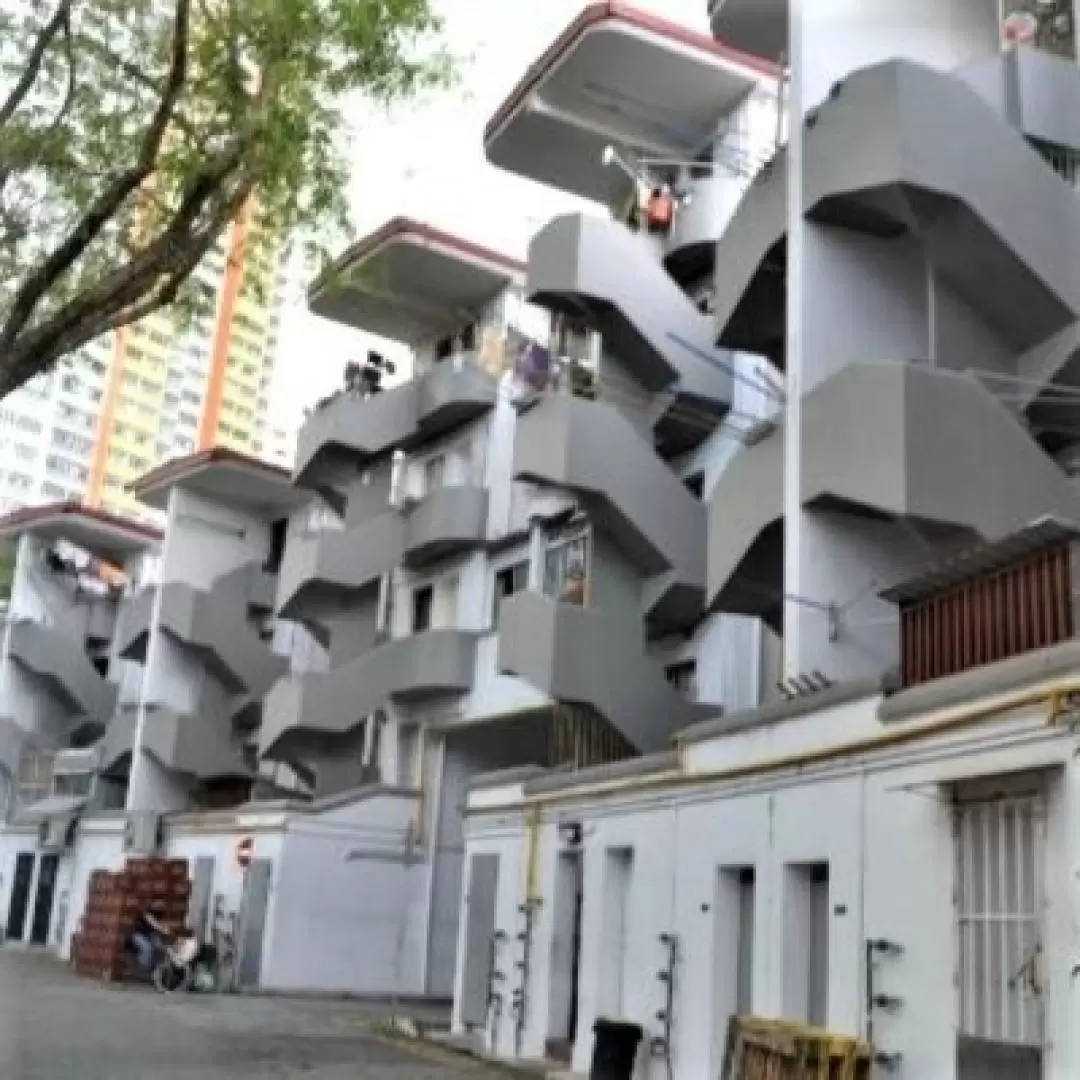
(160, 389)
(884, 847)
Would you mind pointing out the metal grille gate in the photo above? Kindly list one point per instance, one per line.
(999, 908)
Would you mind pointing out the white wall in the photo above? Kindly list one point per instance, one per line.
(881, 824)
(347, 907)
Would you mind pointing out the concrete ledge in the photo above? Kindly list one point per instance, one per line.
(566, 780)
(520, 774)
(998, 678)
(778, 711)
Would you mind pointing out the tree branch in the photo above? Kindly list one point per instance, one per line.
(61, 17)
(116, 299)
(107, 204)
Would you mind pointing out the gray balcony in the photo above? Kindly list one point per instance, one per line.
(947, 454)
(581, 262)
(450, 520)
(201, 745)
(454, 392)
(591, 449)
(322, 568)
(690, 246)
(59, 659)
(213, 626)
(882, 158)
(578, 655)
(351, 429)
(435, 663)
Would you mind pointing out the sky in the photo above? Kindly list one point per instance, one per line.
(426, 161)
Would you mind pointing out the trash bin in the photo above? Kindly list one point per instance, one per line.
(614, 1049)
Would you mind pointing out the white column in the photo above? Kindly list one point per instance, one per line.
(829, 39)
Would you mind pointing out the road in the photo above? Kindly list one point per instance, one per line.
(56, 1026)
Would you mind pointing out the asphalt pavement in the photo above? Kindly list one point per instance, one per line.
(57, 1026)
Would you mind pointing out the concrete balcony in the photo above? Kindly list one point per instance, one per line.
(446, 522)
(353, 429)
(322, 568)
(874, 166)
(592, 450)
(579, 262)
(690, 246)
(947, 454)
(214, 627)
(434, 663)
(454, 392)
(578, 655)
(60, 660)
(201, 745)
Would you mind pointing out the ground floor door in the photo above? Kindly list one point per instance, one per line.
(19, 902)
(43, 899)
(1000, 935)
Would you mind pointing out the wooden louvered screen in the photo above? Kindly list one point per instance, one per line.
(1003, 613)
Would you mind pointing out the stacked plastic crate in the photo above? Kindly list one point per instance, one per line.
(113, 903)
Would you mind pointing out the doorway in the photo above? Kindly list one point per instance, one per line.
(1000, 848)
(20, 896)
(618, 875)
(48, 869)
(565, 957)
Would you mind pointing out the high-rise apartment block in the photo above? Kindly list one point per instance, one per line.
(155, 390)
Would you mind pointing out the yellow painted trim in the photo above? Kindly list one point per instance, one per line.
(956, 719)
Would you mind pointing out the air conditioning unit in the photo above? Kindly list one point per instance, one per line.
(143, 833)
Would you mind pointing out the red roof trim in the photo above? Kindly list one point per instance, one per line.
(404, 229)
(619, 12)
(34, 515)
(174, 470)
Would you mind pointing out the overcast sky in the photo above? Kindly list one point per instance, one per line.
(426, 162)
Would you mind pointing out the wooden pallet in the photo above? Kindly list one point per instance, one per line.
(759, 1049)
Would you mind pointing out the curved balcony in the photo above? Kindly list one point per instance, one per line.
(214, 627)
(579, 262)
(592, 450)
(578, 655)
(321, 568)
(197, 744)
(873, 165)
(351, 429)
(334, 702)
(946, 453)
(117, 744)
(59, 659)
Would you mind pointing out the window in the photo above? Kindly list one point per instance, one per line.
(683, 676)
(566, 569)
(509, 580)
(423, 601)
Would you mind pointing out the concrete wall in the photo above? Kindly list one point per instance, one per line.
(881, 824)
(348, 903)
